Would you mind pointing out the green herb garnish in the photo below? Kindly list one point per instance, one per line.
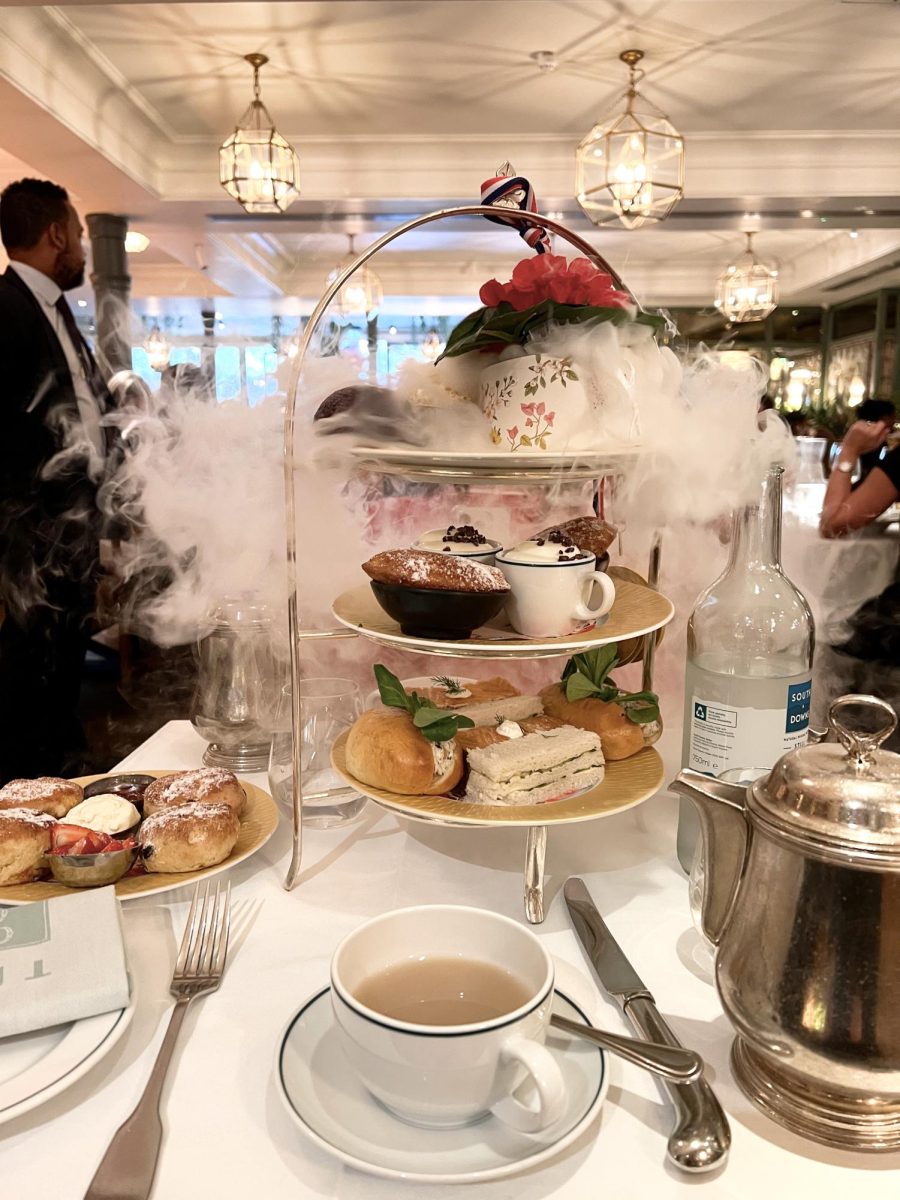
(585, 678)
(435, 724)
(452, 686)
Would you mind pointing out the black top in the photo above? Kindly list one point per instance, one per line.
(890, 464)
(49, 523)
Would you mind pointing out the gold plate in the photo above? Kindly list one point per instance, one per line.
(258, 823)
(625, 784)
(637, 610)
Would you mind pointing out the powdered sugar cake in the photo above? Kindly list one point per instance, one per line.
(434, 572)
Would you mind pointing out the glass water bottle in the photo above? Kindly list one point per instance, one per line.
(748, 678)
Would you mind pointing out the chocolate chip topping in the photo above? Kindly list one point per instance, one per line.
(465, 535)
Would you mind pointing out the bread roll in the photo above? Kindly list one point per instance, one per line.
(46, 794)
(207, 785)
(619, 737)
(385, 750)
(24, 842)
(188, 838)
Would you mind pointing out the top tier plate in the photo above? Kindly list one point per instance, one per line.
(493, 466)
(637, 610)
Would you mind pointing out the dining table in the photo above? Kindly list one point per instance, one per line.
(228, 1134)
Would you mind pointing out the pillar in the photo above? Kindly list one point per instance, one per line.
(112, 291)
(208, 347)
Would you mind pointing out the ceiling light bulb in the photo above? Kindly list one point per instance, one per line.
(806, 213)
(136, 243)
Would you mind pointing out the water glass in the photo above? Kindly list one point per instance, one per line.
(328, 707)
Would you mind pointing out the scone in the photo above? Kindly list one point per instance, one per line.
(188, 837)
(434, 572)
(207, 785)
(24, 842)
(45, 794)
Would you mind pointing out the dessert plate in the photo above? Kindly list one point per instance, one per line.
(495, 465)
(35, 1067)
(625, 784)
(326, 1099)
(258, 823)
(637, 610)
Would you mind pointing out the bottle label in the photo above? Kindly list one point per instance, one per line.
(724, 737)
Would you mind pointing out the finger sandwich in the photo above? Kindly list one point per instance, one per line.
(504, 708)
(536, 768)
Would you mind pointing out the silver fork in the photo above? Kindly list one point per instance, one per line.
(129, 1164)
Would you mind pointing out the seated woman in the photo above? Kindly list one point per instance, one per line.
(869, 661)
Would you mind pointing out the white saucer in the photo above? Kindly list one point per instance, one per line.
(331, 1106)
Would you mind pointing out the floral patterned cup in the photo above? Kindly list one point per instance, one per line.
(533, 404)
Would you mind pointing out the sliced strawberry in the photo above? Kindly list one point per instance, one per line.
(119, 844)
(62, 837)
(76, 839)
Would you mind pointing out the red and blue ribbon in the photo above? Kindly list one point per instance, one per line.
(511, 191)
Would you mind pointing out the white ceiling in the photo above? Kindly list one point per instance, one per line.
(462, 66)
(398, 107)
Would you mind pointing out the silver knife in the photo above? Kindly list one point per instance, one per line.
(701, 1137)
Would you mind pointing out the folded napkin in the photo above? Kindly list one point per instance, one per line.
(61, 960)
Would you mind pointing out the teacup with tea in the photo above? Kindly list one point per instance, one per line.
(443, 1011)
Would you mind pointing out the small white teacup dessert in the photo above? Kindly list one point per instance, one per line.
(551, 581)
(463, 540)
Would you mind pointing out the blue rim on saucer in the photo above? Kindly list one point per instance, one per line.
(327, 1101)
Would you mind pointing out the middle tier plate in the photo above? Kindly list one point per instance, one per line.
(637, 610)
(625, 784)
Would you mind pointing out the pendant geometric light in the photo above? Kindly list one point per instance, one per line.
(158, 348)
(630, 167)
(362, 294)
(747, 290)
(431, 345)
(256, 165)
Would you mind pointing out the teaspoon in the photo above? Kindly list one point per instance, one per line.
(672, 1062)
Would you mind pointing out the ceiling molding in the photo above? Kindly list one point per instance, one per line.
(39, 58)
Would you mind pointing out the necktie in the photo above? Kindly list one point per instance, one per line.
(89, 367)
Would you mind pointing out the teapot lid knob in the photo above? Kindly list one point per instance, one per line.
(862, 744)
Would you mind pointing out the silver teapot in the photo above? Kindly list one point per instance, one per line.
(239, 682)
(802, 899)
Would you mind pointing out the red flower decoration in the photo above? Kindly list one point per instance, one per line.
(553, 277)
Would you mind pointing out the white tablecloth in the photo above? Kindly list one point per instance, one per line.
(227, 1135)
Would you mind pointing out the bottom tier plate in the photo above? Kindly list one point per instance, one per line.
(624, 785)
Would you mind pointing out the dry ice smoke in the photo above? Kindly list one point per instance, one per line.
(199, 500)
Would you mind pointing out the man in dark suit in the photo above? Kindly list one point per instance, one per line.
(52, 398)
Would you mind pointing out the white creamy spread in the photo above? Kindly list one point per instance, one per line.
(549, 552)
(510, 729)
(436, 541)
(461, 692)
(105, 813)
(444, 754)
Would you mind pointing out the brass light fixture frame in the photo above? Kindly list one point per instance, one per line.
(256, 142)
(649, 132)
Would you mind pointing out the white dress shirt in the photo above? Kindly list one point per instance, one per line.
(47, 293)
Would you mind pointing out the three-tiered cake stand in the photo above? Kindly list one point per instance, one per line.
(638, 613)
